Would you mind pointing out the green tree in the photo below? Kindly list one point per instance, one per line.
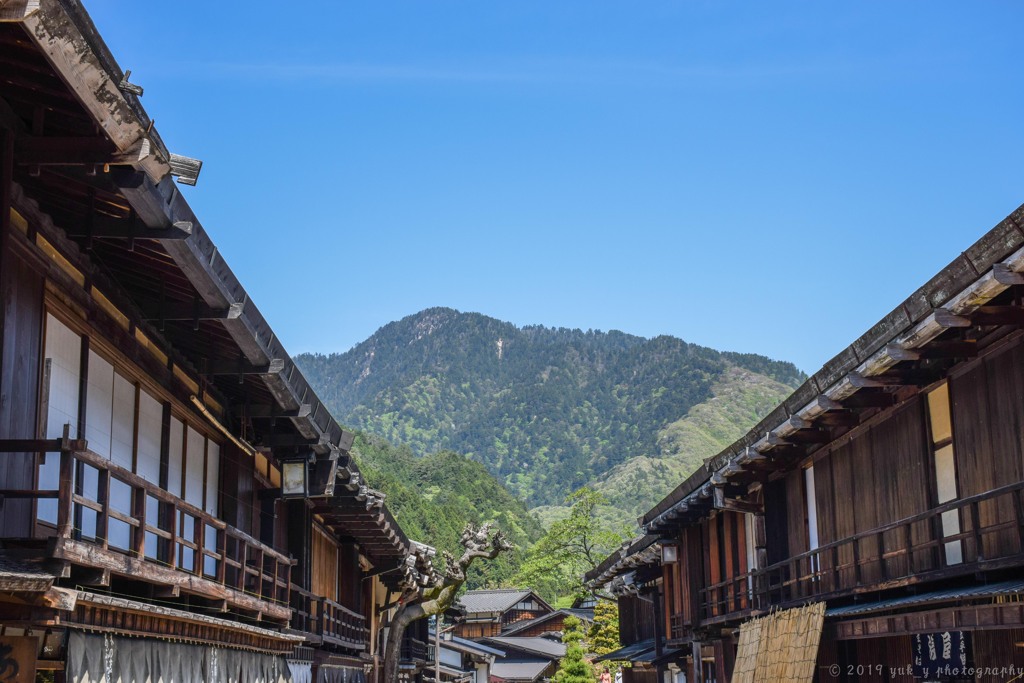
(573, 668)
(604, 634)
(571, 547)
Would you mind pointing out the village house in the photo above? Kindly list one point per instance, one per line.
(175, 500)
(491, 612)
(872, 526)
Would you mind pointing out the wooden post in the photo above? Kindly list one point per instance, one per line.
(1018, 498)
(908, 543)
(979, 551)
(103, 498)
(172, 550)
(6, 178)
(880, 548)
(139, 514)
(856, 562)
(66, 489)
(698, 666)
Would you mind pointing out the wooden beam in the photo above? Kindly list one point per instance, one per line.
(105, 227)
(242, 367)
(176, 310)
(809, 436)
(288, 441)
(63, 151)
(998, 315)
(870, 399)
(839, 418)
(269, 410)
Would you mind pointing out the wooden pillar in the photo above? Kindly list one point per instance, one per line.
(6, 178)
(659, 626)
(698, 667)
(760, 599)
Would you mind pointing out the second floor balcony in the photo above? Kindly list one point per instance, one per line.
(964, 537)
(114, 521)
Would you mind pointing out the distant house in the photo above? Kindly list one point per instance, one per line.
(462, 661)
(526, 659)
(492, 612)
(550, 623)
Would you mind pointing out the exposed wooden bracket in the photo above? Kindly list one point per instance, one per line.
(826, 403)
(945, 318)
(798, 422)
(1004, 276)
(722, 502)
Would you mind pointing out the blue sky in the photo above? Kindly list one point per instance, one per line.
(762, 177)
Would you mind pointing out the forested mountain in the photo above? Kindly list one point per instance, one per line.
(433, 497)
(545, 410)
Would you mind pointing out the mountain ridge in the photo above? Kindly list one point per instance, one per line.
(545, 409)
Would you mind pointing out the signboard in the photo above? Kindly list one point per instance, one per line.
(18, 659)
(944, 655)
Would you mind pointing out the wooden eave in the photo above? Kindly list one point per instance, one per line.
(92, 172)
(944, 322)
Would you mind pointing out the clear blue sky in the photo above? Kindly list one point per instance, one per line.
(765, 177)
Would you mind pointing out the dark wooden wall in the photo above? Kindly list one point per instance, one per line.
(988, 433)
(882, 475)
(21, 289)
(636, 619)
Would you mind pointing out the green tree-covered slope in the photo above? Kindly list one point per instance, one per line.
(434, 496)
(545, 410)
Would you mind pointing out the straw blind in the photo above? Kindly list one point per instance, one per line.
(782, 646)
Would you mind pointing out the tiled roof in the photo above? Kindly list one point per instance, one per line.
(518, 671)
(497, 600)
(949, 595)
(543, 647)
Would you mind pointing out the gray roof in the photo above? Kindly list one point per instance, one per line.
(628, 652)
(516, 627)
(543, 647)
(948, 595)
(519, 671)
(496, 600)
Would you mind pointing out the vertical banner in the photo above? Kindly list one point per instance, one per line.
(942, 655)
(18, 659)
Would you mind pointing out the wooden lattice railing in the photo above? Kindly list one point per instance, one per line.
(332, 623)
(117, 512)
(916, 549)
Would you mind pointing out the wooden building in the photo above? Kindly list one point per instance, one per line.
(634, 576)
(888, 489)
(491, 612)
(174, 498)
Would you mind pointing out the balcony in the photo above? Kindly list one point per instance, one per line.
(414, 652)
(324, 621)
(112, 520)
(913, 550)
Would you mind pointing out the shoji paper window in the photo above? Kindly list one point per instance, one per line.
(63, 354)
